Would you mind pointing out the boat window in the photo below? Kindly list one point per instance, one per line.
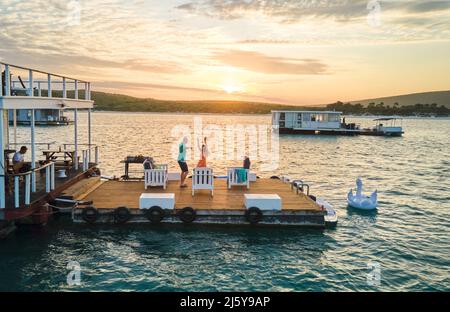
(322, 117)
(306, 117)
(334, 118)
(313, 117)
(282, 116)
(299, 116)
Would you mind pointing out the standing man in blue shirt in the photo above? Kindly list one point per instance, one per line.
(182, 161)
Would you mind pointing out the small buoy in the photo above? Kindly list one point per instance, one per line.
(253, 215)
(122, 215)
(90, 214)
(62, 174)
(155, 214)
(187, 215)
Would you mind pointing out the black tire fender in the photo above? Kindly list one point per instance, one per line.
(155, 214)
(253, 215)
(187, 215)
(122, 215)
(90, 214)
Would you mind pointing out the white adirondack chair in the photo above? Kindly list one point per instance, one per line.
(156, 177)
(203, 179)
(233, 179)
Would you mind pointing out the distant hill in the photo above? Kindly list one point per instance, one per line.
(430, 104)
(118, 102)
(437, 97)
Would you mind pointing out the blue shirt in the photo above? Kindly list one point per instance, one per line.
(182, 152)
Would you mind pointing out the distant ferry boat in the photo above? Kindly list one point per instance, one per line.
(330, 123)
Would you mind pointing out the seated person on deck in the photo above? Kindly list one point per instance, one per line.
(19, 164)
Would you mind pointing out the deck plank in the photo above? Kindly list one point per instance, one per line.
(113, 194)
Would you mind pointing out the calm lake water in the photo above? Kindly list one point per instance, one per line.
(407, 240)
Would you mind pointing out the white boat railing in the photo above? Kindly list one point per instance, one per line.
(87, 152)
(48, 145)
(8, 87)
(300, 186)
(28, 177)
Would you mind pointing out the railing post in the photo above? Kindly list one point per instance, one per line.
(47, 179)
(1, 80)
(49, 86)
(64, 88)
(27, 190)
(30, 83)
(52, 174)
(85, 165)
(15, 127)
(96, 155)
(33, 152)
(76, 90)
(7, 81)
(76, 138)
(39, 89)
(86, 92)
(89, 132)
(16, 192)
(2, 163)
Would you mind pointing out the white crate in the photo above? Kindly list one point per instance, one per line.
(263, 201)
(163, 200)
(174, 176)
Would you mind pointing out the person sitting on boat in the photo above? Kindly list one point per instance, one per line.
(19, 164)
(182, 161)
(204, 153)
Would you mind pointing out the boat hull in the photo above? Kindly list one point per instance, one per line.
(345, 132)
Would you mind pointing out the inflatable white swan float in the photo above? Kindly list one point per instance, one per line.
(361, 201)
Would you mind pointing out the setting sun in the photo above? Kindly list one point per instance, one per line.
(231, 88)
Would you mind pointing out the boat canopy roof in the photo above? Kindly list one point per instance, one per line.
(387, 118)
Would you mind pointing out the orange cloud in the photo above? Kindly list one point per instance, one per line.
(258, 62)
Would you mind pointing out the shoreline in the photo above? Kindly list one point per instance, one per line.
(258, 114)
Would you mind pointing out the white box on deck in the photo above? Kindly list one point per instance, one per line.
(163, 200)
(263, 201)
(252, 177)
(174, 176)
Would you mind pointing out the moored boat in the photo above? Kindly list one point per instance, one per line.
(329, 123)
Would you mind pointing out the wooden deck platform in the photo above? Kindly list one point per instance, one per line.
(113, 194)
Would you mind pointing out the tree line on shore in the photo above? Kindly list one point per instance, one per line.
(395, 109)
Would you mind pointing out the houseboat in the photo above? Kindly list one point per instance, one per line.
(329, 123)
(43, 117)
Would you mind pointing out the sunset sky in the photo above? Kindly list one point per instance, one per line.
(294, 51)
